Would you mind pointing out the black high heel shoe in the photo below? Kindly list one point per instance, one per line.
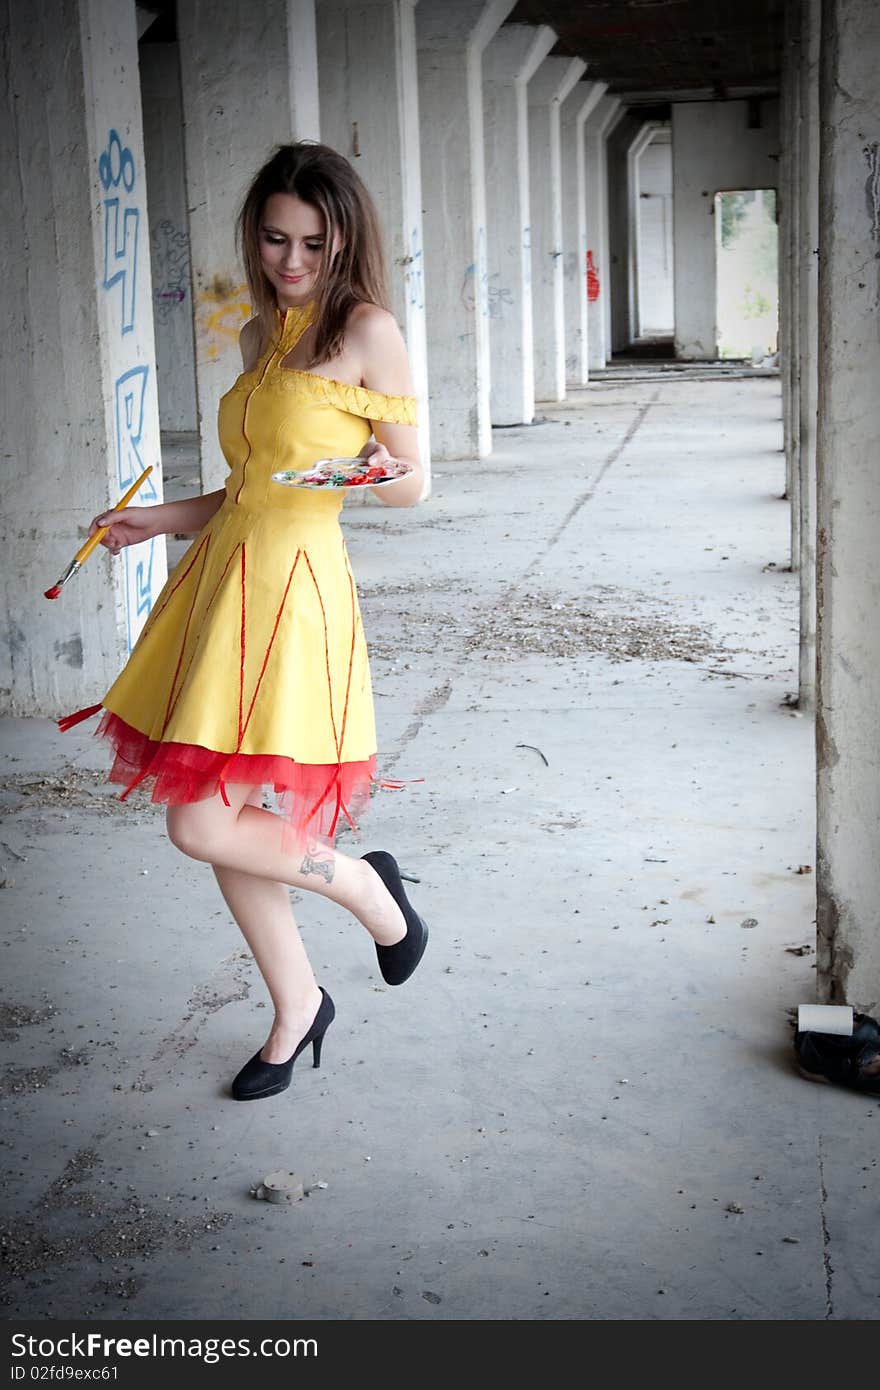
(258, 1078)
(398, 962)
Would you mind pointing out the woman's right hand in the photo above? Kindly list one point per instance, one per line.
(129, 526)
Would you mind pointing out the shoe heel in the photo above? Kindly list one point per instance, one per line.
(259, 1078)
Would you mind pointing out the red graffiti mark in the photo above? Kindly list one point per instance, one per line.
(592, 279)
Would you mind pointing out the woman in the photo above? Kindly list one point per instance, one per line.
(252, 667)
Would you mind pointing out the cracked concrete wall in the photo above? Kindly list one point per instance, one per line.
(547, 92)
(848, 508)
(713, 149)
(789, 221)
(79, 380)
(169, 236)
(375, 124)
(655, 297)
(582, 100)
(509, 61)
(620, 229)
(449, 43)
(598, 258)
(249, 80)
(807, 308)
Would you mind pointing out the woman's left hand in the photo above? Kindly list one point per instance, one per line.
(403, 492)
(377, 454)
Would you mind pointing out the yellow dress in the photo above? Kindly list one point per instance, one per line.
(252, 666)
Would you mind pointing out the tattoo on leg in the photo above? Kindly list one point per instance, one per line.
(320, 862)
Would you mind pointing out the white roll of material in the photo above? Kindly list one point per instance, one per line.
(826, 1018)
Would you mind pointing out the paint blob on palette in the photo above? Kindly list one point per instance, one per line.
(347, 472)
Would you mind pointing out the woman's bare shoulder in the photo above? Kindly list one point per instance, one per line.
(370, 324)
(376, 344)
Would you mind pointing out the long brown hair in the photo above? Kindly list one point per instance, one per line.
(326, 181)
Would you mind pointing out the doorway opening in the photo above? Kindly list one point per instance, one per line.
(747, 274)
(654, 306)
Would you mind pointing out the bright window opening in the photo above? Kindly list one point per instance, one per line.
(747, 263)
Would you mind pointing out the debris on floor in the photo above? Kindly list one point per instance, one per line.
(279, 1188)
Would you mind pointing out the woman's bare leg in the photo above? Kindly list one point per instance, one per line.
(246, 838)
(263, 912)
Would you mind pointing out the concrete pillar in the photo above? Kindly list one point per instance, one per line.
(639, 145)
(249, 82)
(375, 124)
(789, 243)
(509, 61)
(598, 265)
(613, 233)
(169, 236)
(787, 221)
(450, 38)
(573, 114)
(848, 507)
(655, 291)
(621, 230)
(808, 280)
(547, 91)
(78, 368)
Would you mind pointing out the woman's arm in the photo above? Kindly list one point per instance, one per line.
(135, 524)
(186, 518)
(376, 338)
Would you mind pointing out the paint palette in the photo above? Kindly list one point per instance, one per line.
(348, 472)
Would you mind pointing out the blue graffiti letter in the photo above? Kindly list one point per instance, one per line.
(116, 164)
(143, 581)
(131, 388)
(120, 255)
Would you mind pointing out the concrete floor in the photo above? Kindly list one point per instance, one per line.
(582, 1106)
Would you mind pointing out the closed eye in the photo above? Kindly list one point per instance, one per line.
(275, 240)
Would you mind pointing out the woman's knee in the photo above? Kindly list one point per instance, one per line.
(200, 829)
(191, 831)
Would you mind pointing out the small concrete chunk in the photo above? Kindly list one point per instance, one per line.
(280, 1188)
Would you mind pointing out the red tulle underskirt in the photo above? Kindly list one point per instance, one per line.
(314, 798)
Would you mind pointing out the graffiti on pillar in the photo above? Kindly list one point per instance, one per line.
(143, 582)
(474, 292)
(592, 279)
(527, 258)
(121, 219)
(871, 152)
(131, 390)
(500, 296)
(223, 309)
(122, 216)
(483, 271)
(414, 277)
(170, 269)
(467, 293)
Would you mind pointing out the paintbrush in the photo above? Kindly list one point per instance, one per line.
(94, 541)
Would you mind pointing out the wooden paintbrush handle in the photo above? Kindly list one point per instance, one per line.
(93, 541)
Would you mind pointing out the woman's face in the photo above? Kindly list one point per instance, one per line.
(292, 237)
